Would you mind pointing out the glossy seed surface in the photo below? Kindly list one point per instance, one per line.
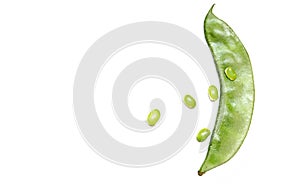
(153, 117)
(213, 93)
(203, 134)
(230, 73)
(189, 101)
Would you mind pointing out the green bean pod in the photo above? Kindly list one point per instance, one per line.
(236, 92)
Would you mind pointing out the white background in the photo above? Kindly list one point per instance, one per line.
(42, 43)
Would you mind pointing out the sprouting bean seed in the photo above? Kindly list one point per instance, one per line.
(153, 117)
(213, 93)
(189, 101)
(203, 134)
(230, 73)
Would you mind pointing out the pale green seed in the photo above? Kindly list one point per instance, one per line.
(153, 117)
(189, 101)
(230, 73)
(203, 134)
(213, 93)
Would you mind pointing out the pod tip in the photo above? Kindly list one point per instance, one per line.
(212, 7)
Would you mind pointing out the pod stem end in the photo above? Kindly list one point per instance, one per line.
(200, 173)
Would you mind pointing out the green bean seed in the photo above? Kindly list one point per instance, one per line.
(213, 93)
(203, 134)
(230, 73)
(153, 117)
(189, 101)
(236, 99)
